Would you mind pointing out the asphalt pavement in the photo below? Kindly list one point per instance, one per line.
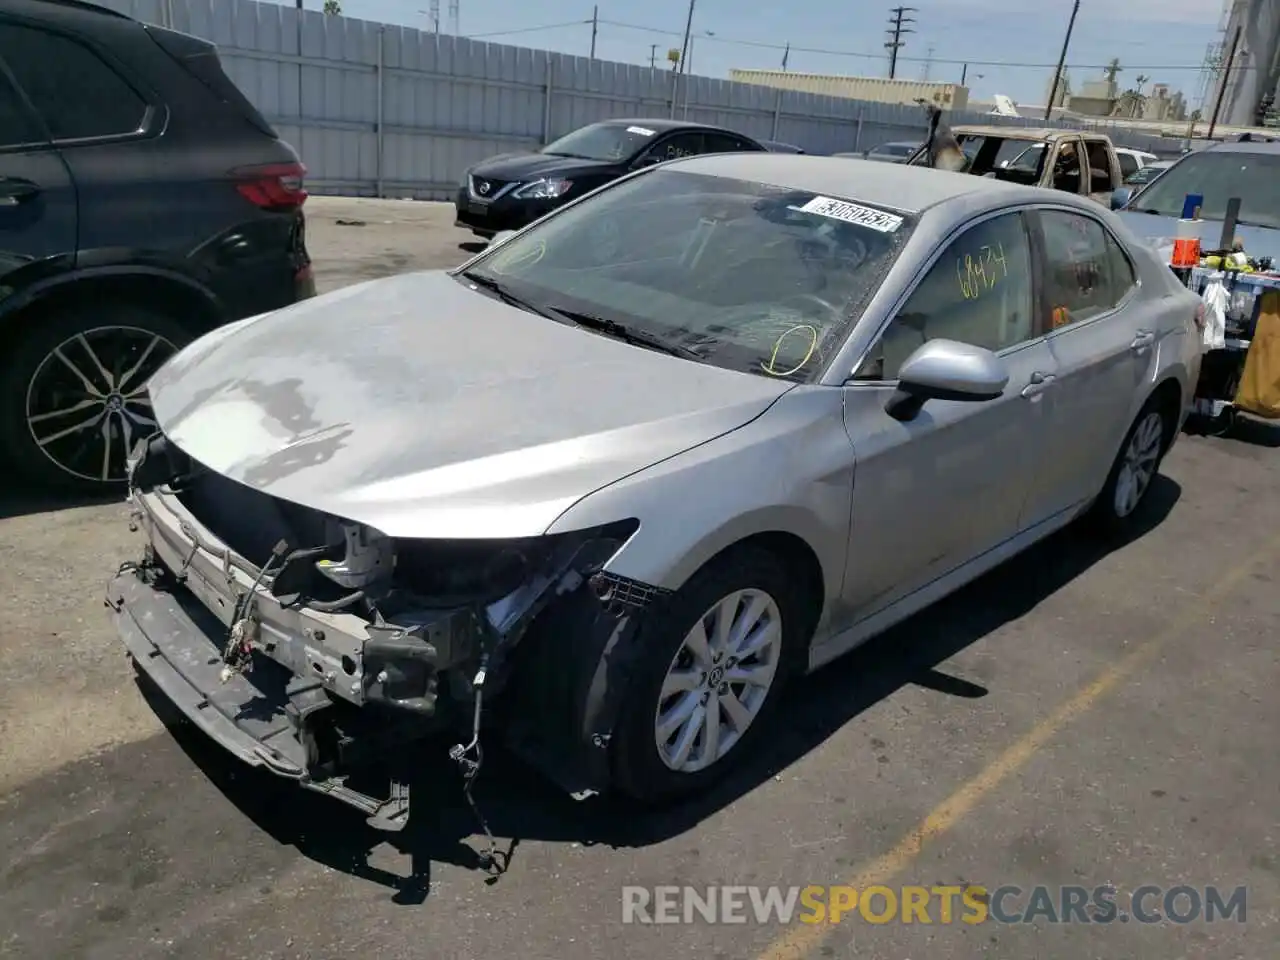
(1082, 716)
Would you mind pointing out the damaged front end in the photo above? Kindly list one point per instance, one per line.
(313, 646)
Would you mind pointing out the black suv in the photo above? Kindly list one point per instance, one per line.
(143, 202)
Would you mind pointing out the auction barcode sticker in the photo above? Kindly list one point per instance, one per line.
(852, 213)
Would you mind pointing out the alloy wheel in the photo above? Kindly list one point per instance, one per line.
(1138, 465)
(87, 403)
(718, 680)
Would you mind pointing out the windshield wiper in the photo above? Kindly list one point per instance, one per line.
(504, 293)
(620, 331)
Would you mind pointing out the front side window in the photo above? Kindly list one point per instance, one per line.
(680, 145)
(978, 292)
(1217, 176)
(1088, 274)
(748, 276)
(17, 128)
(609, 142)
(72, 88)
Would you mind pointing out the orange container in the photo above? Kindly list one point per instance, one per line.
(1186, 252)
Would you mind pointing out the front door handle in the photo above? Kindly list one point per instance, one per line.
(1040, 382)
(1142, 341)
(13, 191)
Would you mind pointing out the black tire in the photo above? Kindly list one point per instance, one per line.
(35, 382)
(638, 770)
(1113, 514)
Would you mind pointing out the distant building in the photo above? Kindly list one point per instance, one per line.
(948, 96)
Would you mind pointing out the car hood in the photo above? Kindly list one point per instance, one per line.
(1160, 231)
(531, 166)
(422, 408)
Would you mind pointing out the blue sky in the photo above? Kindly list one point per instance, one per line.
(1164, 40)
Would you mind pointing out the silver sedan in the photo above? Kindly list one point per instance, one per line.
(615, 481)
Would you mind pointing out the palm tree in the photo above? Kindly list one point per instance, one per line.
(333, 8)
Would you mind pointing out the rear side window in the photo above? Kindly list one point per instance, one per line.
(727, 143)
(1088, 273)
(72, 88)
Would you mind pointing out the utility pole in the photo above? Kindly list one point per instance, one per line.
(684, 49)
(595, 28)
(928, 63)
(653, 56)
(964, 72)
(1062, 61)
(897, 28)
(786, 55)
(1227, 64)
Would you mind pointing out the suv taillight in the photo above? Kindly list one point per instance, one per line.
(276, 186)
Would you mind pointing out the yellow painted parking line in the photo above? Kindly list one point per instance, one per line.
(798, 941)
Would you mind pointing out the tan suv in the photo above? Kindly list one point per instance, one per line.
(1040, 157)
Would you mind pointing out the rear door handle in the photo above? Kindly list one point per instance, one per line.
(1144, 339)
(1040, 382)
(14, 191)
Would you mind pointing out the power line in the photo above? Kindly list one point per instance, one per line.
(852, 54)
(827, 52)
(545, 26)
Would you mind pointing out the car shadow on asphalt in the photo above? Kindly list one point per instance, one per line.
(22, 501)
(473, 246)
(518, 805)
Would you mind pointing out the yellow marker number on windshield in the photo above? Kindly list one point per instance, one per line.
(771, 367)
(980, 273)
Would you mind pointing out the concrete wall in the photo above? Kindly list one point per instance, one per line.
(381, 110)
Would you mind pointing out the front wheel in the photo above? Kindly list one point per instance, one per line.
(73, 398)
(710, 674)
(1134, 469)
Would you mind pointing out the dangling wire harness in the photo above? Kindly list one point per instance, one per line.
(470, 758)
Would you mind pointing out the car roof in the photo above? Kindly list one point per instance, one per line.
(67, 11)
(1244, 146)
(911, 190)
(666, 124)
(1023, 133)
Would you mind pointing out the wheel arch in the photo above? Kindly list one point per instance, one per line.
(182, 299)
(1168, 396)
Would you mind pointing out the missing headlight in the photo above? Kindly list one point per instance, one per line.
(460, 572)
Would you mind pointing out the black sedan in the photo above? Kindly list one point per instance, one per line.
(510, 191)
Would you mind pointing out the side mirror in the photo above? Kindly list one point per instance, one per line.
(646, 160)
(946, 370)
(1120, 197)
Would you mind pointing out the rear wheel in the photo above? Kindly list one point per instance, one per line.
(1135, 468)
(73, 396)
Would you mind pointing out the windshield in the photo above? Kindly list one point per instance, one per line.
(747, 276)
(602, 141)
(1218, 176)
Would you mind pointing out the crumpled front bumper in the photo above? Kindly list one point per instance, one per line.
(173, 645)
